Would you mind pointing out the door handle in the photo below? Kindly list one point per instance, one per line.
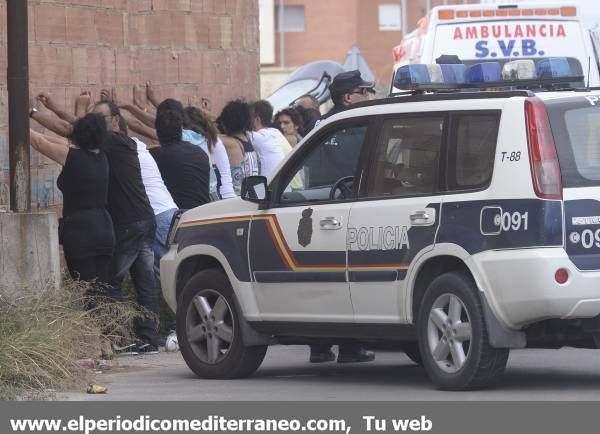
(423, 217)
(330, 224)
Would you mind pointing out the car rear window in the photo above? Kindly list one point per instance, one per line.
(575, 124)
(471, 155)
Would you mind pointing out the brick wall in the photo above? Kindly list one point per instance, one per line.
(331, 27)
(187, 48)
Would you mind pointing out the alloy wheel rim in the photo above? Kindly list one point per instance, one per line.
(209, 326)
(449, 333)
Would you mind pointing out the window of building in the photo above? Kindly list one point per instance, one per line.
(390, 17)
(408, 157)
(293, 18)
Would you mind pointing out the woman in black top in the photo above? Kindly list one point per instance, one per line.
(87, 233)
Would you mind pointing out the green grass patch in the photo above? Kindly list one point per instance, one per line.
(43, 333)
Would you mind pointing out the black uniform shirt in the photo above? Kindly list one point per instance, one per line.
(185, 170)
(127, 199)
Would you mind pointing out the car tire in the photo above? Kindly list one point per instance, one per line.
(453, 338)
(412, 351)
(209, 332)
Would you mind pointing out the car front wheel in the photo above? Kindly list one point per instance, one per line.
(209, 332)
(453, 337)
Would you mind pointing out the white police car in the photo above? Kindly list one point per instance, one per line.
(468, 222)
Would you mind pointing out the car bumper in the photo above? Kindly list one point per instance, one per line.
(521, 288)
(168, 277)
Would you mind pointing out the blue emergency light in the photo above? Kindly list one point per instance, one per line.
(547, 72)
(483, 72)
(553, 67)
(412, 74)
(454, 73)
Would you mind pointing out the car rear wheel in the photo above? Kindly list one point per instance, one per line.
(209, 332)
(453, 337)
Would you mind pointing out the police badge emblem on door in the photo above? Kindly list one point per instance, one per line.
(305, 228)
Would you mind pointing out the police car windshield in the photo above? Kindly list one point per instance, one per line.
(575, 123)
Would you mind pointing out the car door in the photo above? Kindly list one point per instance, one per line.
(397, 214)
(298, 245)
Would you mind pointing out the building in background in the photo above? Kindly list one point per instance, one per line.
(296, 32)
(189, 49)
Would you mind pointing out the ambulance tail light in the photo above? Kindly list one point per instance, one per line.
(545, 169)
(446, 14)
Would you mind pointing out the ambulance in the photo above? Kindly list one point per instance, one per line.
(501, 33)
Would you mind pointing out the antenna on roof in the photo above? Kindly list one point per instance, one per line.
(588, 74)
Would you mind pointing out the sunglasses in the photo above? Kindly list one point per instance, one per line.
(360, 91)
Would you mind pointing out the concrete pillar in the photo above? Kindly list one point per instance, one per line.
(29, 255)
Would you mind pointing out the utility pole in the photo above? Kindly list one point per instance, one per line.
(18, 105)
(404, 12)
(280, 18)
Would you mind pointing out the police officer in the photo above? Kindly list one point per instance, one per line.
(346, 89)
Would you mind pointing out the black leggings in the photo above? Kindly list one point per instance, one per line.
(90, 268)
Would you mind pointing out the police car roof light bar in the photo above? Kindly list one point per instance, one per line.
(564, 83)
(553, 73)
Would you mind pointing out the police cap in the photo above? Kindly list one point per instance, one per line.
(347, 81)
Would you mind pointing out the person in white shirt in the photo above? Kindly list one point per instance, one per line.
(268, 142)
(162, 203)
(199, 130)
(235, 123)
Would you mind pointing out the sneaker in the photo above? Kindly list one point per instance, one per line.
(126, 350)
(147, 349)
(171, 343)
(355, 355)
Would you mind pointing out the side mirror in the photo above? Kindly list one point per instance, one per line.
(255, 189)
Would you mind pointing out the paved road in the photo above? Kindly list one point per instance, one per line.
(566, 374)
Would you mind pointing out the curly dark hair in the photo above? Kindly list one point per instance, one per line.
(235, 118)
(196, 120)
(169, 126)
(294, 116)
(89, 132)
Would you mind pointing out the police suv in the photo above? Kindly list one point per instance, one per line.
(455, 221)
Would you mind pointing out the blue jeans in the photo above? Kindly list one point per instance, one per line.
(159, 246)
(134, 255)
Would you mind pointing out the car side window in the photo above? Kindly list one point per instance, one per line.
(334, 158)
(472, 150)
(407, 157)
